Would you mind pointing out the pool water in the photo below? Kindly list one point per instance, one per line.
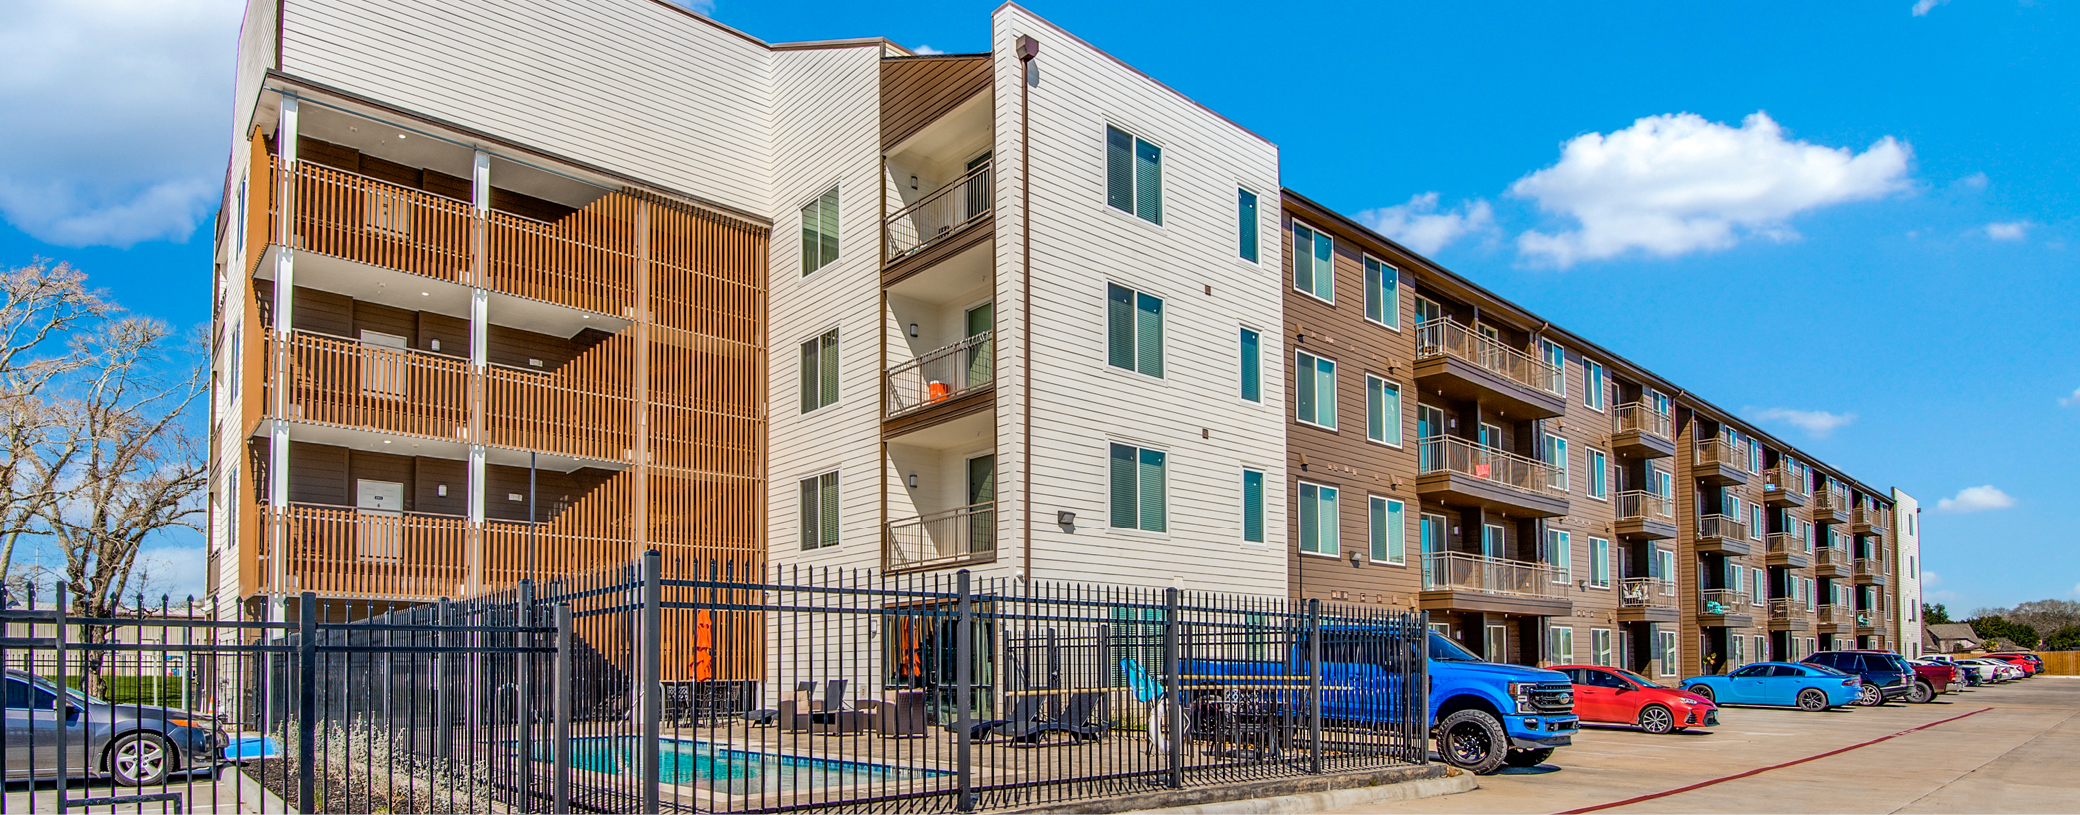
(732, 771)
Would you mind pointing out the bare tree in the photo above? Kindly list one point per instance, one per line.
(40, 305)
(127, 459)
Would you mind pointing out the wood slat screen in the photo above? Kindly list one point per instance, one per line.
(358, 218)
(584, 408)
(344, 552)
(347, 383)
(585, 260)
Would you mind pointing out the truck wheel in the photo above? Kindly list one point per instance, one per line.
(1704, 691)
(1656, 719)
(1870, 696)
(1472, 741)
(1528, 758)
(140, 759)
(1921, 693)
(1812, 699)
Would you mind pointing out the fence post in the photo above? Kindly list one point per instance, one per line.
(964, 686)
(1314, 685)
(560, 801)
(1173, 686)
(523, 711)
(1419, 697)
(307, 703)
(58, 643)
(651, 654)
(441, 686)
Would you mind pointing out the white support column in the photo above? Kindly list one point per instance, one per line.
(284, 300)
(479, 357)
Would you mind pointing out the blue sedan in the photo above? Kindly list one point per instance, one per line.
(1809, 687)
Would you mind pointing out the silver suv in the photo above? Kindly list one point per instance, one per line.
(136, 744)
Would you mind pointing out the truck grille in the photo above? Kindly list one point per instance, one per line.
(1553, 698)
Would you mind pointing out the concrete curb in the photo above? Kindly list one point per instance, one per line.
(1457, 782)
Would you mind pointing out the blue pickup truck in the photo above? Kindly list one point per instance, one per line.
(1483, 715)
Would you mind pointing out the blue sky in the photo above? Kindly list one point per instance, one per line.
(1880, 267)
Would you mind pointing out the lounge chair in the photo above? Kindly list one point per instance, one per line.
(1078, 718)
(838, 715)
(1026, 710)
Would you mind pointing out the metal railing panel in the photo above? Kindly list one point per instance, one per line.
(1444, 337)
(1643, 417)
(1457, 455)
(941, 375)
(941, 213)
(1463, 571)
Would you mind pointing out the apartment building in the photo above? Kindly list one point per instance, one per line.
(1544, 499)
(1906, 564)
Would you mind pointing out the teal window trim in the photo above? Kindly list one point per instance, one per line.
(1382, 293)
(1253, 506)
(1139, 488)
(1252, 353)
(1248, 224)
(1314, 263)
(1314, 390)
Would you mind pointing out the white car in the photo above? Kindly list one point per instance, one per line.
(2002, 671)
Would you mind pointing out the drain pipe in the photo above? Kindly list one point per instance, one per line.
(1028, 48)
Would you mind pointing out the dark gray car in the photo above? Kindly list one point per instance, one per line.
(135, 744)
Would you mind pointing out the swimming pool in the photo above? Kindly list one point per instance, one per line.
(732, 771)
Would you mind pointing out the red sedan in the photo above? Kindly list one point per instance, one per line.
(1619, 696)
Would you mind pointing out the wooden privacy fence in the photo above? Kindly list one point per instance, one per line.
(349, 383)
(587, 260)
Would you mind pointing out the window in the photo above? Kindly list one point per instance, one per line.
(1382, 294)
(1561, 646)
(1811, 599)
(1667, 652)
(1755, 521)
(1556, 357)
(1133, 330)
(1314, 263)
(1252, 365)
(820, 371)
(1560, 554)
(1665, 562)
(1733, 577)
(1599, 475)
(1133, 175)
(1382, 411)
(820, 232)
(1253, 506)
(1664, 484)
(1737, 653)
(1593, 386)
(1599, 563)
(1314, 390)
(1556, 455)
(1246, 222)
(1761, 647)
(1600, 647)
(1756, 586)
(1139, 487)
(1318, 519)
(1427, 310)
(820, 511)
(1389, 532)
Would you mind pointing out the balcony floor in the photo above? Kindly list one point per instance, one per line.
(1485, 603)
(1464, 381)
(1649, 614)
(1641, 444)
(1457, 489)
(1644, 528)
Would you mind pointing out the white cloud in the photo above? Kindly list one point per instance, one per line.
(2007, 231)
(925, 51)
(1976, 499)
(1930, 579)
(178, 572)
(1418, 224)
(1923, 7)
(1817, 423)
(1676, 183)
(115, 127)
(1975, 181)
(2070, 401)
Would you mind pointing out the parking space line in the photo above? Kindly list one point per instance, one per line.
(1761, 770)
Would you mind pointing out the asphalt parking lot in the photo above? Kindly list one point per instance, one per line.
(2014, 748)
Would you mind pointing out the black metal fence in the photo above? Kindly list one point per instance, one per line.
(673, 686)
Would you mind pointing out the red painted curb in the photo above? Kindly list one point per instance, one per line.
(1760, 770)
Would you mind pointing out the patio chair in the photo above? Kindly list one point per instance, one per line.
(838, 715)
(1078, 719)
(1025, 711)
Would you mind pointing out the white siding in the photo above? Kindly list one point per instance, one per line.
(1907, 570)
(256, 44)
(1079, 403)
(632, 86)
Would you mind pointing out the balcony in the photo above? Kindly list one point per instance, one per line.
(1830, 618)
(1869, 571)
(349, 383)
(1829, 561)
(1789, 550)
(1786, 614)
(1643, 514)
(1457, 472)
(959, 537)
(1648, 600)
(1725, 607)
(1640, 431)
(1461, 581)
(943, 222)
(347, 552)
(1462, 364)
(1720, 463)
(942, 385)
(1784, 487)
(1869, 622)
(1867, 521)
(1829, 507)
(1722, 533)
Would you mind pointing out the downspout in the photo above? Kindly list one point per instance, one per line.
(1028, 48)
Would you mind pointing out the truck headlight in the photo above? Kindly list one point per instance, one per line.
(1520, 693)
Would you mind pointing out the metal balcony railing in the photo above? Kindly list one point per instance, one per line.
(943, 539)
(1642, 505)
(1643, 416)
(1722, 453)
(1453, 454)
(1463, 571)
(1785, 608)
(941, 212)
(1829, 613)
(1648, 592)
(1443, 337)
(1722, 601)
(1869, 567)
(1865, 515)
(1721, 526)
(1789, 480)
(1829, 500)
(941, 374)
(1830, 556)
(1786, 543)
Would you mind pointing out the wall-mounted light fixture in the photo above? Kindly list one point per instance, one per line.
(913, 330)
(1065, 518)
(913, 481)
(913, 182)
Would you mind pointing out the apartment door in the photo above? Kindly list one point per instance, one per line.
(383, 363)
(981, 361)
(379, 518)
(1490, 352)
(1495, 643)
(982, 497)
(976, 199)
(1484, 461)
(1429, 438)
(1433, 542)
(1490, 571)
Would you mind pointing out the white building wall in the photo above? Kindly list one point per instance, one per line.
(1906, 531)
(638, 87)
(256, 49)
(1079, 403)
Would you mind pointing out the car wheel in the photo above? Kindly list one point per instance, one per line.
(1656, 719)
(1812, 699)
(1921, 693)
(1704, 691)
(140, 759)
(1528, 758)
(1870, 696)
(1473, 741)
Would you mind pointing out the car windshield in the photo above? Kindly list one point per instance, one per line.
(1638, 680)
(1444, 650)
(1823, 670)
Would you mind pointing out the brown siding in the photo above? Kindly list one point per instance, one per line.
(917, 90)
